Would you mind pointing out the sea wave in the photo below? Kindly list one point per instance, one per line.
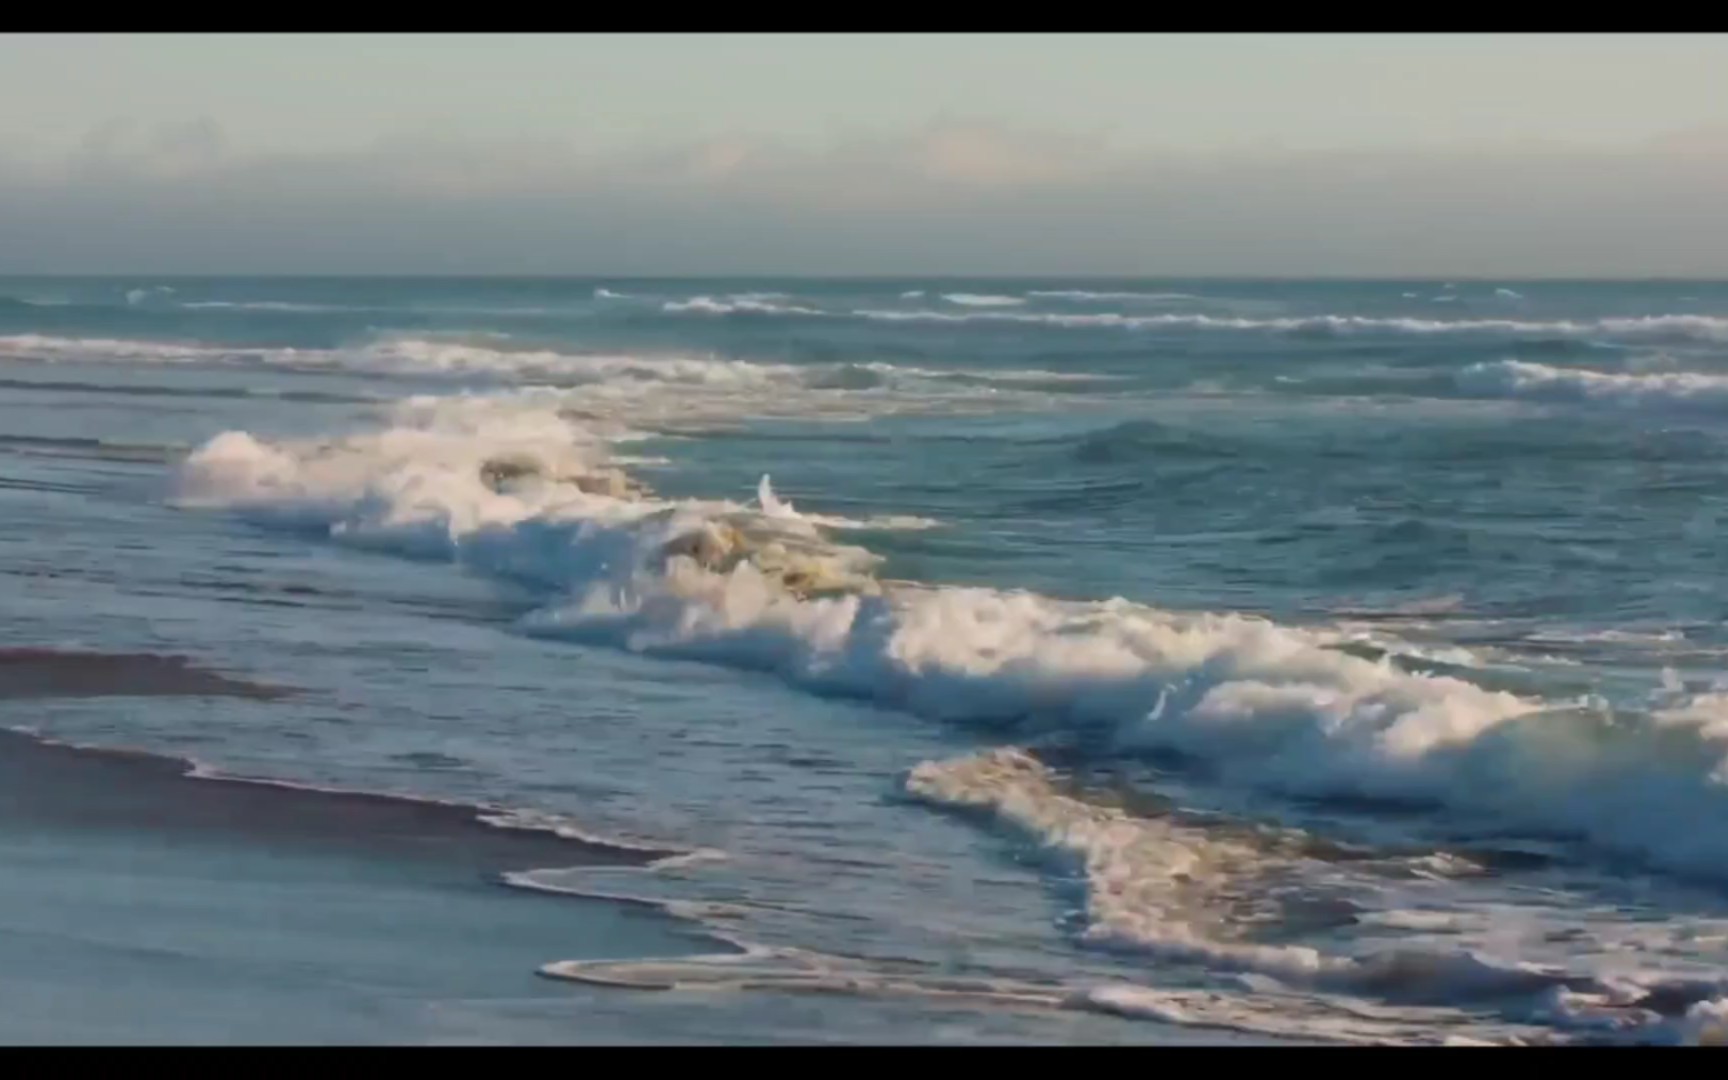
(1186, 894)
(271, 305)
(519, 487)
(983, 300)
(1653, 327)
(741, 304)
(1543, 382)
(396, 356)
(139, 296)
(1676, 327)
(510, 488)
(400, 355)
(1087, 296)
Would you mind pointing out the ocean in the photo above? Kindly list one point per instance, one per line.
(767, 661)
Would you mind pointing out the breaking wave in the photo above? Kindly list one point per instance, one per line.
(400, 356)
(1184, 894)
(1676, 327)
(1543, 382)
(519, 487)
(982, 300)
(742, 304)
(1654, 327)
(1085, 296)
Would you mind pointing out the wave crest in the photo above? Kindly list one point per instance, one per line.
(1673, 327)
(516, 487)
(1544, 382)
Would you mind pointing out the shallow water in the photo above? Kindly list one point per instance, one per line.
(1103, 661)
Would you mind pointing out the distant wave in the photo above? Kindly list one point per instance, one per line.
(982, 300)
(653, 391)
(1708, 328)
(299, 308)
(1676, 327)
(1084, 296)
(45, 347)
(761, 297)
(138, 296)
(1137, 440)
(1543, 382)
(268, 305)
(734, 305)
(399, 355)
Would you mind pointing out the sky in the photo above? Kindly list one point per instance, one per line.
(1156, 155)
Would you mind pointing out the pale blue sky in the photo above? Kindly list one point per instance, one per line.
(324, 91)
(1445, 155)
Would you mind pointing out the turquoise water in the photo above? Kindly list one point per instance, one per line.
(1099, 661)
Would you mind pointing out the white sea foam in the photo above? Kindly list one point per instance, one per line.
(418, 356)
(735, 305)
(376, 309)
(1647, 638)
(983, 300)
(267, 305)
(1152, 884)
(510, 485)
(138, 296)
(669, 387)
(753, 966)
(1269, 701)
(1544, 382)
(1184, 894)
(765, 587)
(772, 506)
(100, 350)
(1085, 296)
(1709, 328)
(415, 356)
(759, 297)
(1663, 327)
(1180, 892)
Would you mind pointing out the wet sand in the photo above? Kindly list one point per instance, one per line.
(37, 673)
(143, 904)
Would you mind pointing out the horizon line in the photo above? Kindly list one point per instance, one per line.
(829, 277)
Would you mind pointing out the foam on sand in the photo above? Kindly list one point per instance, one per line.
(1183, 894)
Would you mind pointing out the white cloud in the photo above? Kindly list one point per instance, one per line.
(955, 197)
